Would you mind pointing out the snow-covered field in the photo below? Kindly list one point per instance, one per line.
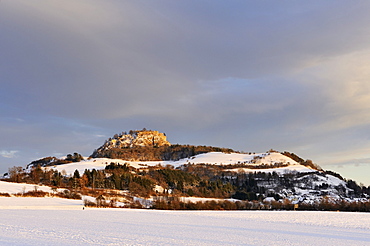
(13, 188)
(54, 221)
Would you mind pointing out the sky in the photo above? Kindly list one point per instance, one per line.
(248, 75)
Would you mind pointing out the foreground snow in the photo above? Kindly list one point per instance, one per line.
(68, 226)
(140, 227)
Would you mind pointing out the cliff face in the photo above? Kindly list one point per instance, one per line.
(148, 146)
(141, 138)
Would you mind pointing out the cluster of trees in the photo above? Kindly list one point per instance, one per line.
(52, 160)
(115, 176)
(76, 157)
(174, 182)
(122, 177)
(39, 193)
(251, 166)
(328, 204)
(38, 175)
(156, 153)
(307, 163)
(177, 204)
(358, 189)
(325, 204)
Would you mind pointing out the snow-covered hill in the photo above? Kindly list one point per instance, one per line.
(202, 171)
(273, 174)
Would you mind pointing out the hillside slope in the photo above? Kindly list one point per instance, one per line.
(265, 174)
(262, 162)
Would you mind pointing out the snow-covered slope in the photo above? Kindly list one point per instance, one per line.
(213, 158)
(279, 170)
(218, 158)
(95, 163)
(13, 188)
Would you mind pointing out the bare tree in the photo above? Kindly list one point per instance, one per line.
(16, 174)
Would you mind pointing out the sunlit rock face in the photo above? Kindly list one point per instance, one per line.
(136, 138)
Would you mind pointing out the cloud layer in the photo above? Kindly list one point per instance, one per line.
(247, 75)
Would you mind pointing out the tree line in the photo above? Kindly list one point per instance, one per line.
(156, 153)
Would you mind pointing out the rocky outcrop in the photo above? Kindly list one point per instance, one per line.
(141, 138)
(146, 145)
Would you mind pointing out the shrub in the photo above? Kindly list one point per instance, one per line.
(88, 203)
(33, 193)
(69, 195)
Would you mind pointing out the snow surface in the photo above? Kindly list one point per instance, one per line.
(215, 158)
(48, 224)
(13, 188)
(43, 203)
(98, 163)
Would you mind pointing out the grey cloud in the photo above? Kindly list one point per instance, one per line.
(107, 63)
(8, 153)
